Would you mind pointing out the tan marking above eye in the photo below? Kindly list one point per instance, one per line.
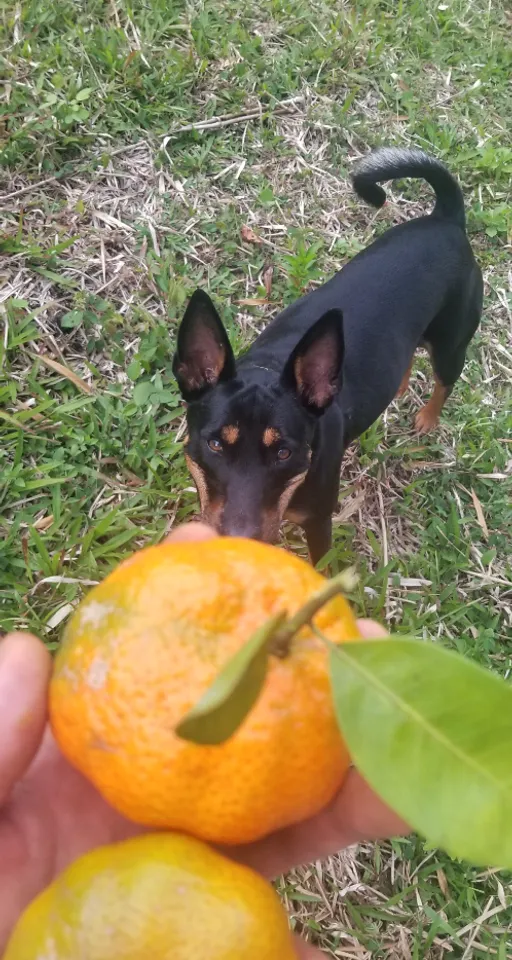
(230, 433)
(270, 436)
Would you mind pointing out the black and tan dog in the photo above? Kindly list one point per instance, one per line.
(267, 433)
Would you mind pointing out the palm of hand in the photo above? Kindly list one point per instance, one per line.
(50, 814)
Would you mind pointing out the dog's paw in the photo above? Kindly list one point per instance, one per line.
(426, 419)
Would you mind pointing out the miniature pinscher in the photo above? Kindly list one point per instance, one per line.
(267, 433)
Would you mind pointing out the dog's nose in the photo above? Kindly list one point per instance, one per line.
(241, 527)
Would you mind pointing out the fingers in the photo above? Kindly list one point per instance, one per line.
(25, 668)
(306, 952)
(355, 815)
(371, 630)
(190, 532)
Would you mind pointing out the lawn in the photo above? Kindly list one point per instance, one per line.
(154, 146)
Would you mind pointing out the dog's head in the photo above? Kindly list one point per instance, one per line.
(250, 434)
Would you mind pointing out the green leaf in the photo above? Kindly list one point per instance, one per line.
(57, 278)
(83, 94)
(233, 693)
(16, 302)
(134, 369)
(142, 392)
(431, 732)
(72, 319)
(266, 195)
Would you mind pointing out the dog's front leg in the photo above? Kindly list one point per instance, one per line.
(318, 532)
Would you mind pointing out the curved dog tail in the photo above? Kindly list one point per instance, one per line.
(397, 163)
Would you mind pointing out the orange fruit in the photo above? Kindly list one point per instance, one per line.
(164, 896)
(145, 645)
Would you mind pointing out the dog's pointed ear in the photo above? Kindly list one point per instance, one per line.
(204, 356)
(313, 371)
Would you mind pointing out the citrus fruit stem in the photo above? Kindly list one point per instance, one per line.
(342, 583)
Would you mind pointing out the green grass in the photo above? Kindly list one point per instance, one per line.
(125, 215)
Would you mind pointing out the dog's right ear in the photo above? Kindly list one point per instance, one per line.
(313, 371)
(204, 356)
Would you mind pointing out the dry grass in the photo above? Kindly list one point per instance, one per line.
(428, 521)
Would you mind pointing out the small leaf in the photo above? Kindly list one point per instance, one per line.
(83, 94)
(142, 392)
(480, 514)
(134, 369)
(266, 195)
(72, 319)
(432, 734)
(233, 693)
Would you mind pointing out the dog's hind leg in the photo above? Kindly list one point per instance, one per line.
(405, 380)
(447, 340)
(427, 418)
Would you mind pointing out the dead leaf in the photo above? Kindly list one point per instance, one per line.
(443, 882)
(112, 221)
(43, 523)
(492, 476)
(480, 514)
(249, 235)
(423, 465)
(253, 302)
(267, 277)
(65, 372)
(131, 56)
(350, 506)
(61, 614)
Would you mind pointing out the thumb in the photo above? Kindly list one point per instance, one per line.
(190, 533)
(25, 667)
(306, 952)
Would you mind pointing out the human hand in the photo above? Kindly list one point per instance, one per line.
(50, 814)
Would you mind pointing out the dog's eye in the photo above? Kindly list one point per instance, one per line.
(215, 445)
(283, 453)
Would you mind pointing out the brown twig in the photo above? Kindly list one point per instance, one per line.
(31, 186)
(226, 120)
